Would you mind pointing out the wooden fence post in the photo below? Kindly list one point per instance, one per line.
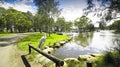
(29, 49)
(89, 64)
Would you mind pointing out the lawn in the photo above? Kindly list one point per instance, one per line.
(35, 38)
(5, 34)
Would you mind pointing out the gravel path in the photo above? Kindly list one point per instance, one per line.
(10, 55)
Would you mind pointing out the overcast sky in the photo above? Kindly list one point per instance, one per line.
(71, 9)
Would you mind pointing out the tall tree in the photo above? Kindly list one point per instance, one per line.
(49, 7)
(40, 22)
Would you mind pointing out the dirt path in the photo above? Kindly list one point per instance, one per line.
(10, 56)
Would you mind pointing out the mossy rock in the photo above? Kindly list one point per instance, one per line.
(88, 58)
(73, 62)
(49, 50)
(45, 62)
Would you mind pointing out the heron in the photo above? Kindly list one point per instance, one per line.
(42, 40)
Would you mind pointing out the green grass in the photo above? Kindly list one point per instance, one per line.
(5, 34)
(35, 38)
(55, 38)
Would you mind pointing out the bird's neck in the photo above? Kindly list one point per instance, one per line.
(45, 35)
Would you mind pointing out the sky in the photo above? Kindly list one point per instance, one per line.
(71, 9)
(23, 6)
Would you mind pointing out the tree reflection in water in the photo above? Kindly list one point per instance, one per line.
(84, 39)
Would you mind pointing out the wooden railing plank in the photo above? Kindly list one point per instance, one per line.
(57, 61)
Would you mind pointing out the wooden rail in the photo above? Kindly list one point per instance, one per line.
(57, 61)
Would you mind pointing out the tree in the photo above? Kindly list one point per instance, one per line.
(68, 26)
(90, 27)
(23, 23)
(81, 23)
(2, 19)
(102, 25)
(30, 17)
(15, 21)
(60, 25)
(115, 25)
(49, 7)
(51, 24)
(37, 22)
(11, 19)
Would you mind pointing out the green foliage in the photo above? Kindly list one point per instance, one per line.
(68, 26)
(14, 21)
(115, 25)
(90, 27)
(102, 25)
(2, 19)
(81, 22)
(22, 23)
(62, 26)
(48, 9)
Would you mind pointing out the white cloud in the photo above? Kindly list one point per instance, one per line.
(71, 13)
(72, 9)
(20, 6)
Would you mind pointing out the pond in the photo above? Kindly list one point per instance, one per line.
(87, 43)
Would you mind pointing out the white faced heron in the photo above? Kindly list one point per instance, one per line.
(42, 39)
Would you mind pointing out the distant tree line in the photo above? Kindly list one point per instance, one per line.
(12, 20)
(84, 24)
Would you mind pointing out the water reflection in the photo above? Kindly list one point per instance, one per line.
(84, 39)
(87, 43)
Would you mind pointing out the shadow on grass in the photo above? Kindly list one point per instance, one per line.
(25, 61)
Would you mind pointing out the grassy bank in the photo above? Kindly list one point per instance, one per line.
(5, 34)
(35, 38)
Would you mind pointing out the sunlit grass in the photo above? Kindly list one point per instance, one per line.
(5, 34)
(55, 38)
(35, 38)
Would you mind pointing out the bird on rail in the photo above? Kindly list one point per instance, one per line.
(42, 40)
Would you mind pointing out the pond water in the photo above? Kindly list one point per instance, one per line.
(87, 43)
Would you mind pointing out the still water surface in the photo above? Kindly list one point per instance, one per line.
(88, 43)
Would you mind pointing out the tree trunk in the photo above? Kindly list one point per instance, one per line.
(11, 30)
